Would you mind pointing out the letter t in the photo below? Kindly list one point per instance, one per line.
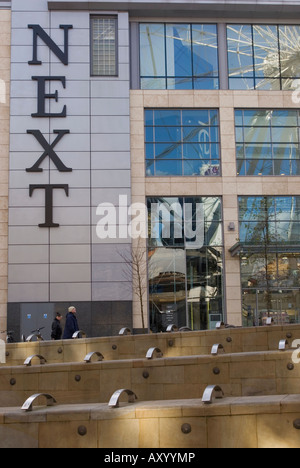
(48, 202)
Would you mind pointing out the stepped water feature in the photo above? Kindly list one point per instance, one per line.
(154, 391)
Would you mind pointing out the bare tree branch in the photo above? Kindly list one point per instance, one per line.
(135, 266)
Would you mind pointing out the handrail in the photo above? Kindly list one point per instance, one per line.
(27, 406)
(172, 328)
(283, 345)
(210, 392)
(220, 325)
(125, 331)
(88, 357)
(27, 361)
(270, 321)
(215, 349)
(151, 351)
(114, 402)
(38, 336)
(77, 334)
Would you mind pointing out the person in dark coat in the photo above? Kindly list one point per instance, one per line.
(56, 328)
(71, 324)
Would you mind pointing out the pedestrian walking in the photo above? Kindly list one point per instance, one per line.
(71, 324)
(56, 328)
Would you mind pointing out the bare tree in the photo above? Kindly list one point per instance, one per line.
(135, 266)
(262, 240)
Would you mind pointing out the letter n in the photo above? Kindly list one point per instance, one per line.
(38, 31)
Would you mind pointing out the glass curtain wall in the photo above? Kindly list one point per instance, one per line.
(185, 262)
(270, 259)
(179, 56)
(185, 56)
(263, 57)
(267, 142)
(182, 142)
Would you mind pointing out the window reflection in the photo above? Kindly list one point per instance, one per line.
(270, 259)
(185, 277)
(263, 57)
(271, 220)
(204, 287)
(179, 56)
(182, 142)
(152, 48)
(285, 306)
(267, 142)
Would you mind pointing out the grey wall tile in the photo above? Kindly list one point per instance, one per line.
(70, 273)
(69, 235)
(28, 235)
(97, 149)
(29, 273)
(32, 254)
(70, 292)
(107, 291)
(34, 292)
(74, 253)
(110, 253)
(108, 272)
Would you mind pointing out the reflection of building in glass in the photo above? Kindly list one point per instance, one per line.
(179, 56)
(186, 283)
(182, 142)
(269, 249)
(267, 142)
(263, 57)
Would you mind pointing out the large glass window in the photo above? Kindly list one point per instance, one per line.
(269, 221)
(104, 46)
(182, 142)
(185, 258)
(179, 56)
(270, 259)
(267, 142)
(263, 56)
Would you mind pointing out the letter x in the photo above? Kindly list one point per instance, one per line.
(49, 151)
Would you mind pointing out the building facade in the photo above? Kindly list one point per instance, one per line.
(5, 28)
(154, 171)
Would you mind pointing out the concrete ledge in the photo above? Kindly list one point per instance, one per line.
(195, 8)
(240, 374)
(251, 422)
(234, 340)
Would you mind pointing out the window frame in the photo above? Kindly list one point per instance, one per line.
(253, 76)
(213, 208)
(92, 72)
(274, 216)
(274, 145)
(166, 78)
(183, 161)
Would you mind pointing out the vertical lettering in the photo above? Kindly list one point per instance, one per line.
(48, 201)
(49, 151)
(38, 31)
(42, 96)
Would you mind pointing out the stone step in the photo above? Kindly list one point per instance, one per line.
(239, 374)
(233, 422)
(234, 340)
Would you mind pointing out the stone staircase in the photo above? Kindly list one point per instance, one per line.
(260, 407)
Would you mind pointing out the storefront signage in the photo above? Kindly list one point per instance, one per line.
(42, 99)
